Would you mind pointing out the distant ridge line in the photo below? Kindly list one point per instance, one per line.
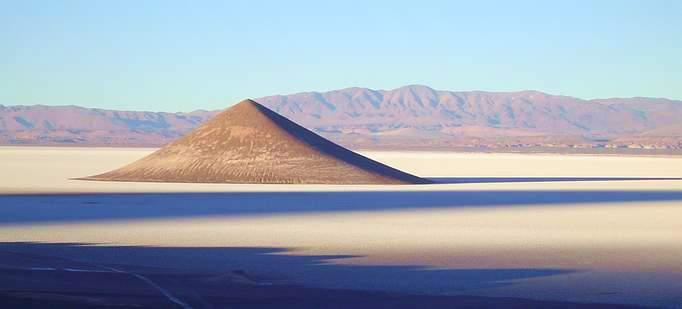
(410, 117)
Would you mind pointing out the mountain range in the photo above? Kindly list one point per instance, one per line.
(409, 117)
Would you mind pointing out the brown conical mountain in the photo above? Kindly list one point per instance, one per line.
(249, 143)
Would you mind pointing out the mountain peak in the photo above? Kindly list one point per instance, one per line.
(416, 87)
(247, 103)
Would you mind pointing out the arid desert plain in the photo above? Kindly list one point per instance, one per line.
(575, 228)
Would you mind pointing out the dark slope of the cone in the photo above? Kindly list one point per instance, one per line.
(334, 150)
(249, 143)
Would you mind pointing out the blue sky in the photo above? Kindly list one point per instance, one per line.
(186, 55)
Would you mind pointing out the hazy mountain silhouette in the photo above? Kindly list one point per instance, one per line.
(361, 116)
(40, 124)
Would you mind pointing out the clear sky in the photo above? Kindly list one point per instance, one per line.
(186, 55)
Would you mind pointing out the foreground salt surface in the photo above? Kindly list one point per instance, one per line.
(622, 250)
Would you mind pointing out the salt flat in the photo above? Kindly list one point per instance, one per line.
(611, 240)
(50, 170)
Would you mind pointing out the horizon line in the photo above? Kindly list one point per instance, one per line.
(343, 89)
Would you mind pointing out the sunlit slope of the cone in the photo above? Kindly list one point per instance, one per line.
(248, 143)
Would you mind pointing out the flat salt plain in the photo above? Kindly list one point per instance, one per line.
(551, 227)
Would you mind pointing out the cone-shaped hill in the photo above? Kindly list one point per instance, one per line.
(249, 143)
